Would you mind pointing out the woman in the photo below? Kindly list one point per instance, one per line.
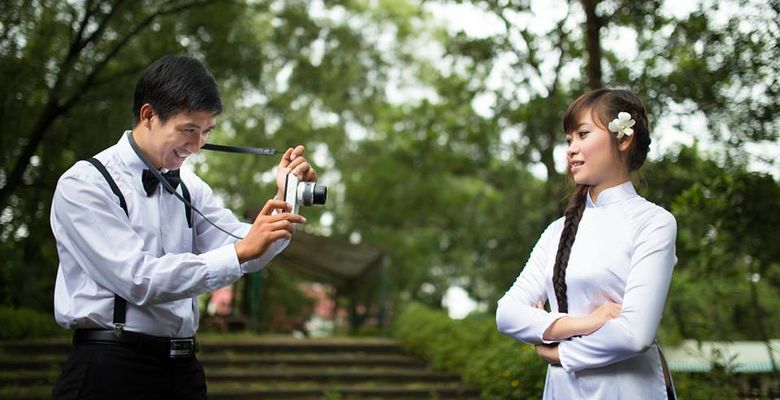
(605, 267)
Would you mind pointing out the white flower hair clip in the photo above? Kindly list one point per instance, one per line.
(622, 125)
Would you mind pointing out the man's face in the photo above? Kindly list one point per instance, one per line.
(172, 141)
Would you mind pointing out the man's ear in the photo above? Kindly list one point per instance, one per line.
(625, 143)
(145, 115)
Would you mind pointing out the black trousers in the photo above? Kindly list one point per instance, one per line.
(115, 371)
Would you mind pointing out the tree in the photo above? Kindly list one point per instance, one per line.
(425, 154)
(63, 65)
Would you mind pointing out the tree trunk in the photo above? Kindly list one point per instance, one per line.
(50, 113)
(593, 24)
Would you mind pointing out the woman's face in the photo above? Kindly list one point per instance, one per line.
(593, 157)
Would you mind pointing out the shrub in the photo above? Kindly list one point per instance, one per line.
(498, 365)
(23, 323)
(501, 367)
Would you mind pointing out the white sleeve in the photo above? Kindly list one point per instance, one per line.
(209, 237)
(517, 315)
(647, 285)
(89, 224)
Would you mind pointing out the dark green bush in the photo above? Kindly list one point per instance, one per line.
(501, 367)
(23, 323)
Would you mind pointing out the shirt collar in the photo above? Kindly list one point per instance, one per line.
(133, 164)
(612, 195)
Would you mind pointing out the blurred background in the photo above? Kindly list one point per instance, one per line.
(437, 127)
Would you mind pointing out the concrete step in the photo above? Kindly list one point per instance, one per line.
(321, 392)
(218, 345)
(428, 391)
(267, 368)
(215, 360)
(261, 375)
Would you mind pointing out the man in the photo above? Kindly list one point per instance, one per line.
(133, 256)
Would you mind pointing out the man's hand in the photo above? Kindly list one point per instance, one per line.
(293, 160)
(267, 229)
(549, 353)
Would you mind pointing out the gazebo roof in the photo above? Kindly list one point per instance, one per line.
(328, 260)
(738, 356)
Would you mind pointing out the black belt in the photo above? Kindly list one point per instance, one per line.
(152, 345)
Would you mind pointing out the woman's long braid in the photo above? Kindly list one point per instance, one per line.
(572, 217)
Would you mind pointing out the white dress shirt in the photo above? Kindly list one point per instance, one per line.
(624, 252)
(148, 258)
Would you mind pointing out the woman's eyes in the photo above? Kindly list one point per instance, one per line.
(580, 134)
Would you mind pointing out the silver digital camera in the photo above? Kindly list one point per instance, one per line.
(297, 193)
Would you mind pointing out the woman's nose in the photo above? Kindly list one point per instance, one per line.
(573, 148)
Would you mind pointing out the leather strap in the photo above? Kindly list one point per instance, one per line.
(670, 393)
(153, 345)
(120, 304)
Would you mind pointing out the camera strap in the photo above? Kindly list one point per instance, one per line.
(168, 186)
(260, 151)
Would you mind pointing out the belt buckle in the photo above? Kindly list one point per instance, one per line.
(182, 348)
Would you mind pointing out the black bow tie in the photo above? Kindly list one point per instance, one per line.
(150, 181)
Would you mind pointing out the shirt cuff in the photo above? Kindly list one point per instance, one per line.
(551, 317)
(260, 262)
(222, 266)
(564, 358)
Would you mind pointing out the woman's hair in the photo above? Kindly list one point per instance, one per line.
(604, 106)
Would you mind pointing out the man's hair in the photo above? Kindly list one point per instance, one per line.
(175, 84)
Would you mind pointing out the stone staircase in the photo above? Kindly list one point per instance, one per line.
(246, 367)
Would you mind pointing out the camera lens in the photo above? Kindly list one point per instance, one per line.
(320, 194)
(311, 193)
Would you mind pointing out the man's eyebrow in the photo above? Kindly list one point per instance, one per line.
(194, 125)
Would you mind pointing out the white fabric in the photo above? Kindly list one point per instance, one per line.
(147, 258)
(624, 252)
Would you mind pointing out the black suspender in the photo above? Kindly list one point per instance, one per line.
(187, 208)
(120, 304)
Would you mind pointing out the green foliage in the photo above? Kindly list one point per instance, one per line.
(283, 307)
(712, 386)
(442, 185)
(24, 323)
(498, 365)
(501, 367)
(726, 279)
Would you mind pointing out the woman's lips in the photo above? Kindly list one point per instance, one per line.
(575, 165)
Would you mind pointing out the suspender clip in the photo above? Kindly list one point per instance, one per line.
(118, 328)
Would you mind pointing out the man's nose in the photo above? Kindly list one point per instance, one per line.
(195, 145)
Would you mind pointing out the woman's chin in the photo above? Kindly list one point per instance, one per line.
(581, 179)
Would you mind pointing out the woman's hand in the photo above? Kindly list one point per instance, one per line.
(549, 353)
(604, 313)
(567, 327)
